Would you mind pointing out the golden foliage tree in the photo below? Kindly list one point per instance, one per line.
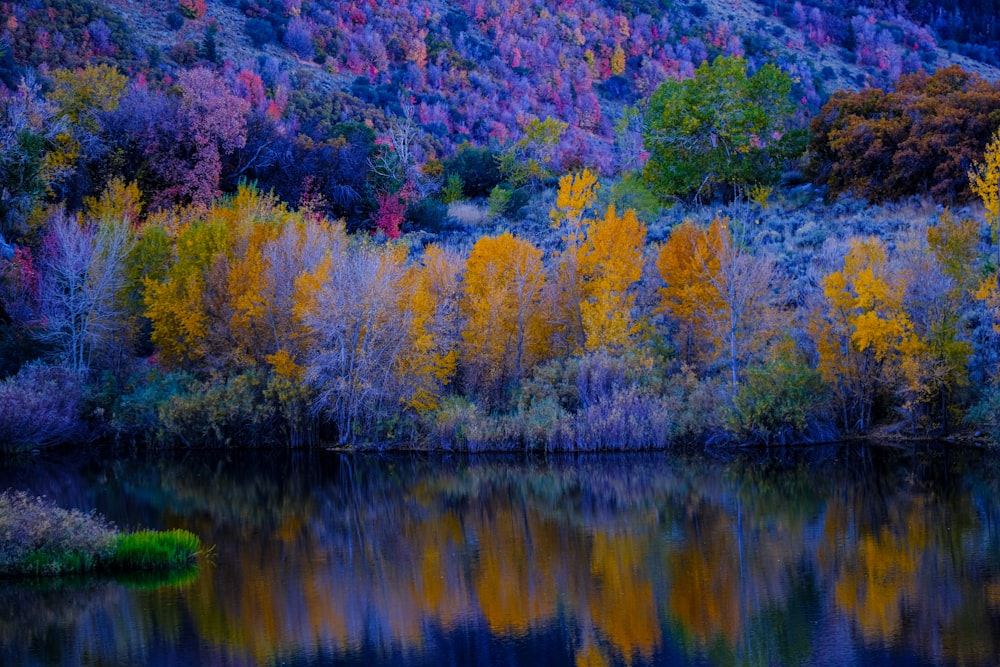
(984, 181)
(611, 264)
(858, 335)
(572, 215)
(506, 331)
(430, 297)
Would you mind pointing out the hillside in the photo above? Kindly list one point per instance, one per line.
(479, 70)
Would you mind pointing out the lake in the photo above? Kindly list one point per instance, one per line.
(840, 555)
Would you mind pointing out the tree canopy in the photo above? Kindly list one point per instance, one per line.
(720, 130)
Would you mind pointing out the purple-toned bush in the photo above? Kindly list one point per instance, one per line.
(628, 419)
(39, 407)
(33, 525)
(298, 38)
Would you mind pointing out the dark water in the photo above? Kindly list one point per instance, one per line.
(834, 556)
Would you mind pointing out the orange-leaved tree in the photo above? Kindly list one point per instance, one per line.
(719, 291)
(688, 262)
(506, 330)
(611, 264)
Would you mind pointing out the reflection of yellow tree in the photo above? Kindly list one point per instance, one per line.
(881, 572)
(705, 585)
(515, 584)
(623, 606)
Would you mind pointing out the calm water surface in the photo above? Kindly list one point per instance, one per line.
(834, 556)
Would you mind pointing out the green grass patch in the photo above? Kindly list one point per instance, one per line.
(152, 550)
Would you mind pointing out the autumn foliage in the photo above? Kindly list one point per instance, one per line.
(919, 138)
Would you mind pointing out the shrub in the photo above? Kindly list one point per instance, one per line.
(38, 537)
(298, 38)
(506, 202)
(428, 214)
(175, 21)
(466, 213)
(919, 138)
(477, 167)
(461, 424)
(39, 407)
(631, 193)
(220, 413)
(777, 402)
(452, 190)
(136, 414)
(192, 9)
(986, 414)
(260, 32)
(630, 418)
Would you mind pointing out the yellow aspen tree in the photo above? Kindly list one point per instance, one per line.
(572, 215)
(118, 201)
(858, 337)
(688, 262)
(176, 303)
(984, 180)
(430, 297)
(505, 331)
(618, 61)
(611, 264)
(80, 96)
(254, 334)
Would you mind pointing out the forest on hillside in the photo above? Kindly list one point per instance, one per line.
(600, 236)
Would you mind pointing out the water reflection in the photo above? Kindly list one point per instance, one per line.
(835, 557)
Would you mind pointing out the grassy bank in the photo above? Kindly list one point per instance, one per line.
(39, 538)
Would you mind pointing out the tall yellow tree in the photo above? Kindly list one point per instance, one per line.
(572, 215)
(176, 302)
(984, 180)
(506, 331)
(859, 333)
(688, 263)
(80, 96)
(611, 264)
(430, 297)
